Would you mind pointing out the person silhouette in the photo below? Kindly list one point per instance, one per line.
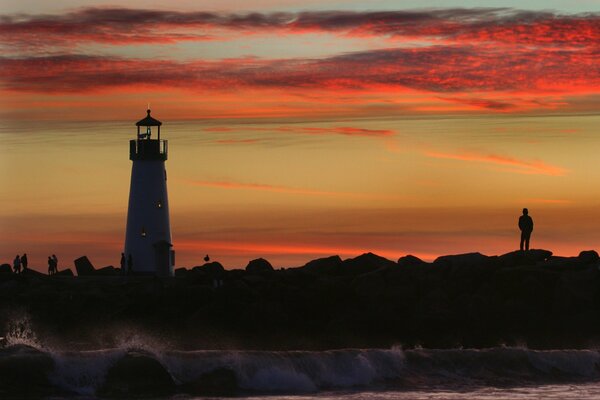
(24, 260)
(55, 262)
(50, 266)
(123, 262)
(526, 227)
(17, 264)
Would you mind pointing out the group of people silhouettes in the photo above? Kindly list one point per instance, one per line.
(20, 263)
(52, 264)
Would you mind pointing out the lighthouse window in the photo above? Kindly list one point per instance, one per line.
(143, 232)
(159, 204)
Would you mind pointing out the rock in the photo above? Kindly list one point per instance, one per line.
(371, 284)
(365, 263)
(326, 265)
(588, 257)
(24, 373)
(462, 260)
(5, 269)
(259, 266)
(211, 268)
(108, 271)
(410, 261)
(137, 375)
(65, 272)
(32, 273)
(84, 267)
(181, 272)
(520, 257)
(219, 382)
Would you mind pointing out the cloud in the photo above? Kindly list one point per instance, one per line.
(440, 69)
(515, 165)
(339, 130)
(114, 26)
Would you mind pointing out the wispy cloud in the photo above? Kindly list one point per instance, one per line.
(514, 165)
(337, 130)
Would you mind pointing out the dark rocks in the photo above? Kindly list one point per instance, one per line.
(108, 271)
(65, 272)
(5, 269)
(137, 375)
(462, 260)
(367, 262)
(211, 268)
(529, 257)
(219, 382)
(410, 261)
(588, 257)
(259, 266)
(84, 267)
(328, 265)
(24, 373)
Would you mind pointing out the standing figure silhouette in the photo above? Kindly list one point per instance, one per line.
(526, 227)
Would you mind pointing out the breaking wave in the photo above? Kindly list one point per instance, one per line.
(85, 372)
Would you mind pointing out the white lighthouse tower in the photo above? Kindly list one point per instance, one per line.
(148, 247)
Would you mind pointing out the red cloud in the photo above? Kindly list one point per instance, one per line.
(442, 69)
(114, 26)
(517, 166)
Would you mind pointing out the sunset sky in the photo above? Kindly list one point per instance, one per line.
(302, 129)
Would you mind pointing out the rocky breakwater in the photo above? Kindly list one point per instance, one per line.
(469, 300)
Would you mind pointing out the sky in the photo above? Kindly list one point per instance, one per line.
(302, 129)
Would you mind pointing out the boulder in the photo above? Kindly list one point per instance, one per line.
(65, 272)
(137, 375)
(219, 382)
(32, 273)
(326, 265)
(259, 266)
(410, 261)
(181, 272)
(108, 271)
(84, 267)
(588, 257)
(521, 257)
(365, 263)
(24, 373)
(211, 268)
(462, 260)
(5, 269)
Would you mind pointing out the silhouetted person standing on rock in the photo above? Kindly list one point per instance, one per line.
(17, 264)
(24, 260)
(123, 262)
(526, 227)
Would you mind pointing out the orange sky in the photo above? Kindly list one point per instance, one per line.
(296, 135)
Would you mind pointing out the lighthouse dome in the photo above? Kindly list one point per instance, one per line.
(148, 121)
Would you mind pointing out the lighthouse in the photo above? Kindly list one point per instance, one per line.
(148, 247)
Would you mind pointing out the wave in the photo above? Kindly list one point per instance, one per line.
(126, 370)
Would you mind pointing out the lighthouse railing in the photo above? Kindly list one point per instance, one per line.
(148, 149)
